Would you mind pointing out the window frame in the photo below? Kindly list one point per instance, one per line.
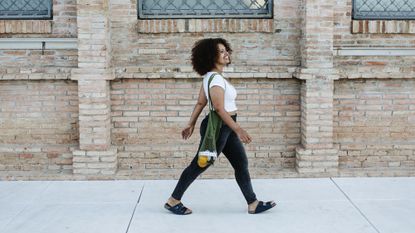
(49, 16)
(357, 16)
(142, 16)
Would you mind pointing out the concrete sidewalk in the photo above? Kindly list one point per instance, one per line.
(328, 205)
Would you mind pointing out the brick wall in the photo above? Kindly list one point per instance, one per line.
(133, 89)
(343, 35)
(17, 64)
(372, 33)
(153, 46)
(38, 126)
(148, 117)
(37, 64)
(374, 123)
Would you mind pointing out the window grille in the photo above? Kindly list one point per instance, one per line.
(167, 9)
(25, 9)
(383, 9)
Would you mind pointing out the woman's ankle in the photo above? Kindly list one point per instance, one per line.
(173, 201)
(253, 205)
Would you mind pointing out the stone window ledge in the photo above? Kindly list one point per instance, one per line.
(25, 26)
(192, 75)
(383, 26)
(38, 43)
(374, 51)
(205, 25)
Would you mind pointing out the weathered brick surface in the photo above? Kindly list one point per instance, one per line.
(38, 125)
(383, 26)
(374, 124)
(97, 163)
(317, 90)
(307, 105)
(37, 64)
(94, 114)
(95, 155)
(25, 26)
(148, 116)
(279, 48)
(317, 34)
(343, 30)
(205, 26)
(372, 66)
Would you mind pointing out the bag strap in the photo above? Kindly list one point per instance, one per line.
(210, 99)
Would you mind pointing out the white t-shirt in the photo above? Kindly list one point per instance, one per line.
(230, 91)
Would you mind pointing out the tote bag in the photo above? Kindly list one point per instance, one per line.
(207, 152)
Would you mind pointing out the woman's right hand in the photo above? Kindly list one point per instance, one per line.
(243, 135)
(188, 131)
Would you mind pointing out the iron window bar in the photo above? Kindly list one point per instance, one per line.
(384, 9)
(175, 9)
(25, 9)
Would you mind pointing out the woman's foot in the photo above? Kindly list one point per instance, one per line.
(257, 207)
(177, 207)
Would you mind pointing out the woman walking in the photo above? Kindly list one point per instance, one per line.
(209, 57)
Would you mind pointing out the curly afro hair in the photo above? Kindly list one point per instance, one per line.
(205, 53)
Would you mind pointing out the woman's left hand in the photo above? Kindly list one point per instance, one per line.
(188, 131)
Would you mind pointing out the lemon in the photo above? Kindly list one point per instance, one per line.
(202, 161)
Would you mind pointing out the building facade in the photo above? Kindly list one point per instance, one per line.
(98, 90)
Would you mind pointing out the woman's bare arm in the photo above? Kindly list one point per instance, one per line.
(217, 95)
(200, 104)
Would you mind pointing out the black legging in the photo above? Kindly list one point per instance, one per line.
(231, 146)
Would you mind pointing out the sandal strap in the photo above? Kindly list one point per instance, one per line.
(178, 209)
(263, 206)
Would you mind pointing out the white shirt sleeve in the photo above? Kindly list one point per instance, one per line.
(218, 80)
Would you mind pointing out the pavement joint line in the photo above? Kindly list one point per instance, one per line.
(135, 207)
(355, 206)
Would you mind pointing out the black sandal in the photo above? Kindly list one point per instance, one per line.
(178, 209)
(263, 206)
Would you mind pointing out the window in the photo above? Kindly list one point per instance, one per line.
(384, 9)
(25, 9)
(168, 9)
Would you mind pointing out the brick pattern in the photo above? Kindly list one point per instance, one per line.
(374, 123)
(317, 34)
(95, 163)
(379, 67)
(396, 31)
(94, 112)
(135, 90)
(38, 125)
(25, 26)
(205, 26)
(383, 26)
(316, 108)
(148, 115)
(95, 156)
(93, 41)
(316, 153)
(279, 47)
(37, 64)
(160, 52)
(65, 18)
